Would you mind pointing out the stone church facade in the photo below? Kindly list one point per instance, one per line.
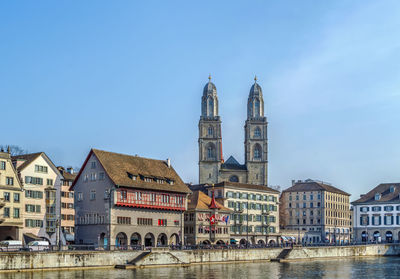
(212, 168)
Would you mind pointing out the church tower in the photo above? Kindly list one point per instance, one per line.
(210, 140)
(256, 143)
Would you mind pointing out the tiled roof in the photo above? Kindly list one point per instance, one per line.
(28, 158)
(314, 186)
(384, 190)
(121, 167)
(199, 200)
(66, 175)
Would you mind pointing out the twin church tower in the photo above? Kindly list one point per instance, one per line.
(212, 168)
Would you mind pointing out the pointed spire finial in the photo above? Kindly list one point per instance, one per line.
(8, 150)
(209, 77)
(255, 78)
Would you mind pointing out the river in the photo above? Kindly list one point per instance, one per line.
(377, 267)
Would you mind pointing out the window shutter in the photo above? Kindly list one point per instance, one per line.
(380, 220)
(361, 221)
(373, 220)
(367, 220)
(391, 219)
(384, 220)
(397, 220)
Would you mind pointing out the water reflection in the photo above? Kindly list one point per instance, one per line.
(337, 268)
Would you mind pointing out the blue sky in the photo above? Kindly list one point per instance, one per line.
(127, 76)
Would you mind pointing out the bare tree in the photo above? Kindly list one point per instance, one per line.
(14, 149)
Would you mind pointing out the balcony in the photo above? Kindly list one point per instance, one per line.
(2, 203)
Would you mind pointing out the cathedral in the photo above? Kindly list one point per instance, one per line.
(212, 167)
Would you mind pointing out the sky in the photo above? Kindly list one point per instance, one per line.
(127, 77)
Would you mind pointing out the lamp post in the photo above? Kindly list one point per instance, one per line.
(266, 220)
(247, 227)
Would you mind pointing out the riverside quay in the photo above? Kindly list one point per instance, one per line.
(126, 200)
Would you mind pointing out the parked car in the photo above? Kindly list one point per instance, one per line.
(38, 245)
(10, 245)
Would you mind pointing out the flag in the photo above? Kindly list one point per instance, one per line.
(212, 219)
(226, 219)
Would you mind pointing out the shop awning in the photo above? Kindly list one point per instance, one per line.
(284, 238)
(28, 237)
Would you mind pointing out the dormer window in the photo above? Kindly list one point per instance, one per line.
(171, 182)
(132, 176)
(377, 196)
(392, 189)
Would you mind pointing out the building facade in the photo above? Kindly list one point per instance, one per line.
(319, 209)
(129, 200)
(206, 221)
(11, 200)
(67, 204)
(42, 187)
(377, 214)
(212, 168)
(255, 216)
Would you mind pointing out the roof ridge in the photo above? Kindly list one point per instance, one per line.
(128, 155)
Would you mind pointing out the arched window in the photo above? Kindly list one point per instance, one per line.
(234, 178)
(210, 131)
(257, 132)
(257, 107)
(210, 151)
(210, 107)
(257, 151)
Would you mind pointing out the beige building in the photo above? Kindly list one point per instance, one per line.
(129, 200)
(42, 184)
(11, 200)
(206, 221)
(255, 216)
(67, 204)
(319, 209)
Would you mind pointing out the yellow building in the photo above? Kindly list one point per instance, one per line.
(11, 200)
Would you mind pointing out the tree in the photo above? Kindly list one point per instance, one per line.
(14, 149)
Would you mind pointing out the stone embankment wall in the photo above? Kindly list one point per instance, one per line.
(79, 259)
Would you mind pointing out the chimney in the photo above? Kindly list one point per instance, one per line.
(70, 170)
(168, 162)
(293, 182)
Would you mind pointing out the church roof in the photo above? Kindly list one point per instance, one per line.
(255, 89)
(232, 161)
(232, 164)
(210, 88)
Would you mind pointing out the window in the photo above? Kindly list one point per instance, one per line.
(79, 196)
(304, 205)
(34, 194)
(162, 222)
(92, 195)
(210, 131)
(319, 196)
(86, 178)
(16, 197)
(6, 196)
(257, 151)
(311, 204)
(210, 151)
(50, 182)
(391, 189)
(388, 208)
(6, 212)
(93, 165)
(304, 197)
(144, 221)
(234, 178)
(16, 212)
(311, 197)
(9, 181)
(42, 169)
(124, 220)
(376, 208)
(33, 180)
(364, 209)
(257, 108)
(257, 132)
(2, 165)
(101, 176)
(93, 176)
(377, 196)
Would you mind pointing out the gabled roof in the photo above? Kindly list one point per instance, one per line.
(200, 201)
(384, 190)
(314, 186)
(66, 175)
(121, 167)
(233, 164)
(28, 158)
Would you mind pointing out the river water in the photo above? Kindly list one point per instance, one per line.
(379, 267)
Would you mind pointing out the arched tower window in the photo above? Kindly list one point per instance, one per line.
(210, 131)
(234, 178)
(257, 108)
(257, 152)
(257, 132)
(210, 107)
(210, 151)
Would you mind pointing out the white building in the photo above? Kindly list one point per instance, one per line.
(377, 214)
(42, 185)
